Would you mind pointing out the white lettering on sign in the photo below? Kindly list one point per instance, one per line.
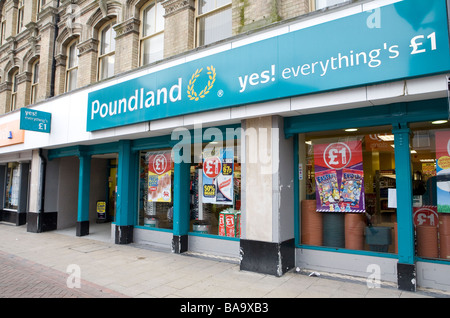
(417, 43)
(138, 100)
(373, 59)
(337, 155)
(32, 116)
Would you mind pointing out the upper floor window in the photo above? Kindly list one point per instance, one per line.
(34, 81)
(39, 5)
(320, 4)
(107, 51)
(20, 10)
(72, 66)
(3, 31)
(213, 21)
(152, 33)
(13, 103)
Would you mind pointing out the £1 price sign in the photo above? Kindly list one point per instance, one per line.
(426, 215)
(212, 167)
(160, 164)
(338, 155)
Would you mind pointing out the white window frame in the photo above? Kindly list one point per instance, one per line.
(13, 100)
(34, 81)
(20, 16)
(155, 33)
(317, 7)
(199, 16)
(108, 54)
(71, 68)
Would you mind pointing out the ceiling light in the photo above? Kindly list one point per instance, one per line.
(351, 129)
(437, 122)
(386, 137)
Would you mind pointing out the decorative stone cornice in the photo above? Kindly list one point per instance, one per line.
(24, 77)
(127, 27)
(5, 86)
(60, 60)
(172, 7)
(90, 45)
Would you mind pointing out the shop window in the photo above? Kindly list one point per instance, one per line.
(215, 191)
(431, 188)
(12, 186)
(320, 4)
(107, 51)
(347, 189)
(152, 33)
(213, 21)
(72, 66)
(34, 81)
(156, 171)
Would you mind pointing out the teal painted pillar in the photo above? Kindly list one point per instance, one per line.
(181, 205)
(84, 180)
(405, 228)
(125, 189)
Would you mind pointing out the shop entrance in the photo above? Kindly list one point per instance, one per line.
(103, 191)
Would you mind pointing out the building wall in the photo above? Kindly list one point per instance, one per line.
(48, 30)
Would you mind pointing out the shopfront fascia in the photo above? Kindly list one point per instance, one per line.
(409, 125)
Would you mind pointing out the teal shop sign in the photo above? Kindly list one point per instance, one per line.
(35, 120)
(402, 40)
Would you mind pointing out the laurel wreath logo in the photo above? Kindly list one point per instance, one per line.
(192, 94)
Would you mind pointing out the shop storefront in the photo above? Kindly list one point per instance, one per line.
(372, 187)
(321, 156)
(14, 175)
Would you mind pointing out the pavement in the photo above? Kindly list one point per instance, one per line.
(55, 265)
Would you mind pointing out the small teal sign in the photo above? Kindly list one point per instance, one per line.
(35, 120)
(403, 40)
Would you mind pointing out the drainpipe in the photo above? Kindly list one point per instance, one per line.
(52, 79)
(42, 188)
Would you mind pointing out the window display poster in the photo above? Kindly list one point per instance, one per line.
(443, 171)
(160, 177)
(218, 176)
(339, 177)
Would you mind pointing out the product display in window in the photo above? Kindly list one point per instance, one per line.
(156, 189)
(345, 201)
(12, 186)
(215, 193)
(431, 190)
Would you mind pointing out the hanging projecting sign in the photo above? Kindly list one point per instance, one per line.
(397, 41)
(339, 176)
(35, 120)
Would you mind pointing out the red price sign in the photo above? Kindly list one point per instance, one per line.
(212, 167)
(337, 155)
(425, 216)
(160, 164)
